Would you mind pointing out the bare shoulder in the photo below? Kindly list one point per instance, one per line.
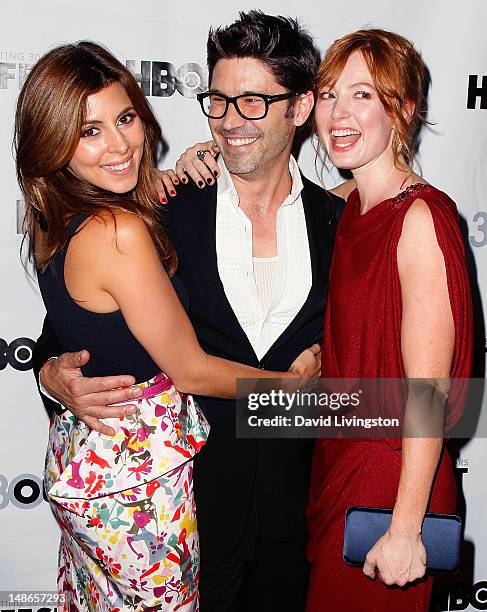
(344, 189)
(114, 228)
(418, 241)
(418, 218)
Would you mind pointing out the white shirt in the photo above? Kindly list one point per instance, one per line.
(235, 262)
(265, 273)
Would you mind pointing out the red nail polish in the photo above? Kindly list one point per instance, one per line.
(164, 200)
(172, 192)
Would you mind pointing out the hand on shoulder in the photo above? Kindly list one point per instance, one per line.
(197, 162)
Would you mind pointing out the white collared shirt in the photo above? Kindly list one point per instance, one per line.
(236, 269)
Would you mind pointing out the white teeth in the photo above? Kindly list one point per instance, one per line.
(238, 142)
(345, 133)
(119, 167)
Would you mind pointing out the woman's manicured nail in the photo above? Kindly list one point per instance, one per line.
(172, 192)
(209, 181)
(215, 173)
(201, 184)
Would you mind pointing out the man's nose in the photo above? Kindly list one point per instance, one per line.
(232, 119)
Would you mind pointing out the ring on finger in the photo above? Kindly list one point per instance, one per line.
(200, 154)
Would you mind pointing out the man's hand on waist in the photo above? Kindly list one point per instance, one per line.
(88, 399)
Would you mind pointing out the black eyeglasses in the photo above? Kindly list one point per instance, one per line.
(248, 105)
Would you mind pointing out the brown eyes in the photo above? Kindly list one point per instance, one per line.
(127, 118)
(89, 132)
(363, 95)
(358, 95)
(123, 120)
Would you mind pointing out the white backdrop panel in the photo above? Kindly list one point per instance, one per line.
(451, 37)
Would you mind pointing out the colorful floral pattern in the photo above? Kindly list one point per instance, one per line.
(125, 505)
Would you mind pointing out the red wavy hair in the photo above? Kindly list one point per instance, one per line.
(399, 76)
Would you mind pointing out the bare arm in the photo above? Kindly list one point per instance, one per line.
(131, 273)
(427, 341)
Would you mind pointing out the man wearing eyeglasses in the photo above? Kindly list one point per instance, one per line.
(254, 252)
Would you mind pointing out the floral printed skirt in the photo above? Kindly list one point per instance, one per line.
(125, 505)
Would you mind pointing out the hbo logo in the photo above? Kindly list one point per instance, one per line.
(24, 491)
(463, 596)
(162, 79)
(18, 354)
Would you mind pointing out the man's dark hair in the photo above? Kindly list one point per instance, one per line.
(279, 42)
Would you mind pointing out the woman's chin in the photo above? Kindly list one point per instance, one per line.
(118, 186)
(342, 164)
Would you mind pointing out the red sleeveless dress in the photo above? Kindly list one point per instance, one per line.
(362, 339)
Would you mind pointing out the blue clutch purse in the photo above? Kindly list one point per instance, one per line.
(441, 535)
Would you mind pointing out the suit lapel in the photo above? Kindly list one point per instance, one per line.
(213, 276)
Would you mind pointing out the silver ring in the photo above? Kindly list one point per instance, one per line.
(200, 154)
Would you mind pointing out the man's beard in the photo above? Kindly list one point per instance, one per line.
(258, 160)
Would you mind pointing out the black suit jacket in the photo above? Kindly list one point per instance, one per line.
(232, 475)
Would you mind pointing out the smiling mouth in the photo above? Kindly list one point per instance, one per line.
(344, 138)
(118, 168)
(240, 142)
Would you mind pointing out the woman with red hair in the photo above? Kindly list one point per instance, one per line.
(399, 308)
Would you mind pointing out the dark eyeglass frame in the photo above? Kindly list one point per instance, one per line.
(234, 100)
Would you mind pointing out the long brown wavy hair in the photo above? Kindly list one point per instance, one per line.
(51, 110)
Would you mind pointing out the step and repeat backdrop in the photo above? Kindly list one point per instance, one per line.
(163, 44)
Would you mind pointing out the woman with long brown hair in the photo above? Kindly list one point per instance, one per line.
(85, 141)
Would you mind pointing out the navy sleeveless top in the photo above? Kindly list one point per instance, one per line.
(112, 346)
